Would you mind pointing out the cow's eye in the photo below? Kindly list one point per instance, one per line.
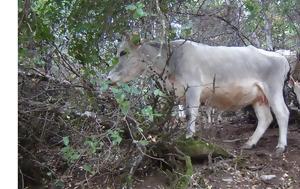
(122, 53)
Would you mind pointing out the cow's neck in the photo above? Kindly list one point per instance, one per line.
(158, 60)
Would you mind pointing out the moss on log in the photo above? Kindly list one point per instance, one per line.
(184, 151)
(184, 181)
(197, 148)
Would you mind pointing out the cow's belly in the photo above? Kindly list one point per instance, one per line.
(233, 96)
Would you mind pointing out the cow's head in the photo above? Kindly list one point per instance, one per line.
(297, 90)
(296, 87)
(134, 57)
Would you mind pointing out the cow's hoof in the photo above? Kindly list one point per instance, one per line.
(247, 146)
(189, 135)
(279, 151)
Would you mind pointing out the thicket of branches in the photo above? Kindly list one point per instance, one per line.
(74, 128)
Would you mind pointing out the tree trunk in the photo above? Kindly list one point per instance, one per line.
(268, 25)
(256, 41)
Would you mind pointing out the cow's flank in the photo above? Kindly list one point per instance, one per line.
(233, 96)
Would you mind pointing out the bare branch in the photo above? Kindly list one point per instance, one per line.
(233, 27)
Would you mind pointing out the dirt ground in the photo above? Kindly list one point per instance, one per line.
(250, 168)
(256, 168)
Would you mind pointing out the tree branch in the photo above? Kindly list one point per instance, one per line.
(233, 27)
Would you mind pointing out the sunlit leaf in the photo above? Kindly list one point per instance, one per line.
(66, 140)
(88, 168)
(130, 7)
(143, 142)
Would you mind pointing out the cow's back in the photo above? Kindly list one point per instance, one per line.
(204, 63)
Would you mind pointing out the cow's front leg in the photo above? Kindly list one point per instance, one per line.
(192, 103)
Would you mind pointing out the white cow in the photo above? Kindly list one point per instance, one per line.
(226, 78)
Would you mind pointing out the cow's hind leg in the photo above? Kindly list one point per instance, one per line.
(192, 103)
(264, 116)
(282, 116)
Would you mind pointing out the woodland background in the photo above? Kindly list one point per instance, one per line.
(75, 131)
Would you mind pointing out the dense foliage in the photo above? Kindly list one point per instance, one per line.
(86, 30)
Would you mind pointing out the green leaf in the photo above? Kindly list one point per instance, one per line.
(116, 91)
(75, 156)
(92, 145)
(104, 86)
(136, 40)
(66, 140)
(125, 107)
(143, 142)
(115, 136)
(88, 168)
(252, 6)
(148, 112)
(158, 92)
(126, 87)
(70, 154)
(130, 7)
(172, 34)
(135, 90)
(59, 184)
(140, 5)
(139, 13)
(114, 61)
(140, 129)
